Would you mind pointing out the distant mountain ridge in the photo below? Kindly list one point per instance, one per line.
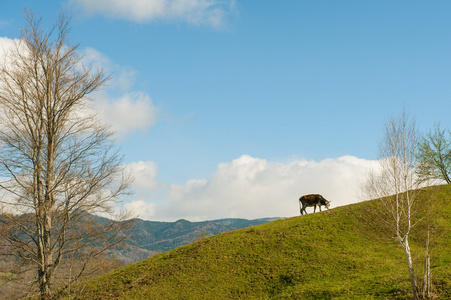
(152, 237)
(148, 238)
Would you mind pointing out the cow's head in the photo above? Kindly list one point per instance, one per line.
(325, 202)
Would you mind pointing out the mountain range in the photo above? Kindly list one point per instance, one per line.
(150, 237)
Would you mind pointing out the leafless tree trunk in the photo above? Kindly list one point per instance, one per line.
(395, 184)
(58, 163)
(427, 271)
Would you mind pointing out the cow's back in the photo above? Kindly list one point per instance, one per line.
(311, 199)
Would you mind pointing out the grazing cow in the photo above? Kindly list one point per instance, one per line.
(313, 200)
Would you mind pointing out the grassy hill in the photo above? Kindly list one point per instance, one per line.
(148, 238)
(335, 254)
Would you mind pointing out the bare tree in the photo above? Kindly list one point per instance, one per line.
(395, 184)
(434, 155)
(58, 164)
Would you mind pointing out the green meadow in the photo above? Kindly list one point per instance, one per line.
(341, 253)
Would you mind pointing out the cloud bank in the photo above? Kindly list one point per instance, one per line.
(249, 187)
(198, 12)
(118, 104)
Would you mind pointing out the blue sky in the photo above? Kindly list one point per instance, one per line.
(237, 108)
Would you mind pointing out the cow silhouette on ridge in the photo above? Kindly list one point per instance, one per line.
(312, 200)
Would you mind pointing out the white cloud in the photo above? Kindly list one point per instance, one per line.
(252, 188)
(210, 12)
(140, 208)
(122, 77)
(131, 111)
(7, 45)
(117, 104)
(144, 174)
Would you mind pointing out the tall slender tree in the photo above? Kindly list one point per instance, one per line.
(58, 164)
(395, 184)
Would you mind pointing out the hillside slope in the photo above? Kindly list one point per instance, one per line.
(335, 254)
(150, 237)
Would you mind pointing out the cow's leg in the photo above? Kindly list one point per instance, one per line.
(320, 207)
(303, 209)
(314, 209)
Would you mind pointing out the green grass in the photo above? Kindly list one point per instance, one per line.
(335, 254)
